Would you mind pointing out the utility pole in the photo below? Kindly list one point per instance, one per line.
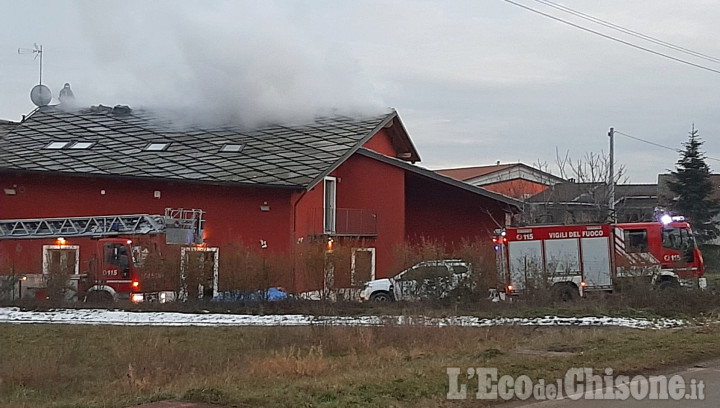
(611, 203)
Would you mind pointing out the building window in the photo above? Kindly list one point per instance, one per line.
(199, 272)
(232, 148)
(82, 145)
(56, 145)
(157, 146)
(362, 266)
(329, 205)
(61, 259)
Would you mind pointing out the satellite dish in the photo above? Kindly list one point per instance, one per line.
(40, 95)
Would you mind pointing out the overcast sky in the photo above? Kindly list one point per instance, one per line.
(474, 81)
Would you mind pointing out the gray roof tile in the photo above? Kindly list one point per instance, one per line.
(274, 155)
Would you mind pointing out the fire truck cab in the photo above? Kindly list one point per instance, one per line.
(112, 272)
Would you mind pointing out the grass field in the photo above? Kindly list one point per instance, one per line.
(93, 366)
(392, 366)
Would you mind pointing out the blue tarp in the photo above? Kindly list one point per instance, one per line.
(270, 295)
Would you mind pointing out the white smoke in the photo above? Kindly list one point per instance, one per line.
(246, 63)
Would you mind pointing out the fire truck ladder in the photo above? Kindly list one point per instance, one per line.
(99, 226)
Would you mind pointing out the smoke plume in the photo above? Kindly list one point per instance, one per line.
(245, 63)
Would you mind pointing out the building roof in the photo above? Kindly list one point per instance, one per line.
(440, 178)
(467, 173)
(6, 126)
(637, 190)
(588, 192)
(499, 173)
(666, 196)
(137, 143)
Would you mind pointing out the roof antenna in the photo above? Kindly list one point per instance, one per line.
(40, 95)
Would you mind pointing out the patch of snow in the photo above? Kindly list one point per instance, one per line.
(126, 318)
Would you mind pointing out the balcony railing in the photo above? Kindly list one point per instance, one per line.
(350, 222)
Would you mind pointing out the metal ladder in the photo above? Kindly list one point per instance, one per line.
(100, 226)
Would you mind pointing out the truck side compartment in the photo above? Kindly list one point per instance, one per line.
(575, 259)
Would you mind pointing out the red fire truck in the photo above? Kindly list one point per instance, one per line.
(574, 259)
(101, 258)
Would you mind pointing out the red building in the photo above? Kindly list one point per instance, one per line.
(275, 196)
(515, 180)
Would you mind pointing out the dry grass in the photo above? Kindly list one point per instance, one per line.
(61, 366)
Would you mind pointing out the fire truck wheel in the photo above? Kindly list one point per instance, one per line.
(380, 297)
(669, 284)
(564, 292)
(99, 298)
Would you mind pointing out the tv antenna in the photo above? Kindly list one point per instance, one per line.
(38, 51)
(40, 94)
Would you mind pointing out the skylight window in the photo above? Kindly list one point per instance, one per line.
(82, 145)
(157, 146)
(232, 148)
(56, 145)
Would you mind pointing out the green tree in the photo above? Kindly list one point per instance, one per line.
(692, 187)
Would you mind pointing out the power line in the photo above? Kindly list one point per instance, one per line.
(657, 144)
(628, 31)
(609, 37)
(648, 142)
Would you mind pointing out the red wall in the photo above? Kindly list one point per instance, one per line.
(232, 215)
(364, 183)
(306, 204)
(381, 143)
(442, 212)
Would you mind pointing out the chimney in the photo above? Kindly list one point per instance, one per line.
(120, 110)
(66, 97)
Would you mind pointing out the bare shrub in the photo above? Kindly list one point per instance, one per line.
(408, 254)
(247, 268)
(339, 260)
(161, 270)
(58, 286)
(234, 264)
(484, 269)
(310, 262)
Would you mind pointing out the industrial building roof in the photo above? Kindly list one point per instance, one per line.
(467, 173)
(121, 141)
(590, 192)
(483, 175)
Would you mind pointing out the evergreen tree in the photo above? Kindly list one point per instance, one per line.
(692, 186)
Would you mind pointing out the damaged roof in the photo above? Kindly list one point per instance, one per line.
(135, 143)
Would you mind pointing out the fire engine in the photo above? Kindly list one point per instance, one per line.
(101, 258)
(572, 260)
